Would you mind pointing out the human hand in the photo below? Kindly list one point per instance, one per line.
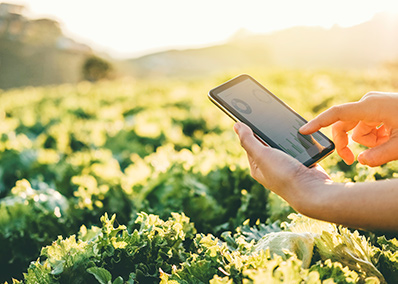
(374, 122)
(276, 170)
(311, 192)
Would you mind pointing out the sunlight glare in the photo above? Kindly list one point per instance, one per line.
(127, 28)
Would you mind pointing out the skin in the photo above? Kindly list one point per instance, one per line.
(368, 205)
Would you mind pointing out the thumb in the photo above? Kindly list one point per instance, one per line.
(381, 154)
(248, 141)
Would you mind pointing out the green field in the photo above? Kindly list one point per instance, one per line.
(166, 162)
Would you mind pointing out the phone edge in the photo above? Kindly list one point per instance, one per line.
(309, 163)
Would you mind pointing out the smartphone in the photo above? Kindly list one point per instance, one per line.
(273, 122)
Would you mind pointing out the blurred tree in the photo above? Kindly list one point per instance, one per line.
(42, 32)
(96, 68)
(36, 52)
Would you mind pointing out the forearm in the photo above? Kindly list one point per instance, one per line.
(370, 205)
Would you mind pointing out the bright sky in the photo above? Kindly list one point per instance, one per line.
(127, 28)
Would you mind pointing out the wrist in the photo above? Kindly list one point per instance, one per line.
(311, 196)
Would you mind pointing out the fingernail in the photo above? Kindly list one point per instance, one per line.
(361, 159)
(304, 127)
(237, 127)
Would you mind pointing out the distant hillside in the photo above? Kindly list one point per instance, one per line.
(231, 56)
(366, 45)
(35, 51)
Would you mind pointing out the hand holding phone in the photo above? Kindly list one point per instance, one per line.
(273, 122)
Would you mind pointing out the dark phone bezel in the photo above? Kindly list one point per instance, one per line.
(236, 116)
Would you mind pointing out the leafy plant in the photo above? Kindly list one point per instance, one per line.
(73, 153)
(113, 254)
(29, 219)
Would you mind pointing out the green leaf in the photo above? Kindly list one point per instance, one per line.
(118, 280)
(101, 274)
(58, 267)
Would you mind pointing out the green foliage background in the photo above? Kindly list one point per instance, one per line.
(147, 150)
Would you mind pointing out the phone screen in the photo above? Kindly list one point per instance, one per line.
(271, 120)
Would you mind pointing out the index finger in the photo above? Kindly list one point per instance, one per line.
(345, 112)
